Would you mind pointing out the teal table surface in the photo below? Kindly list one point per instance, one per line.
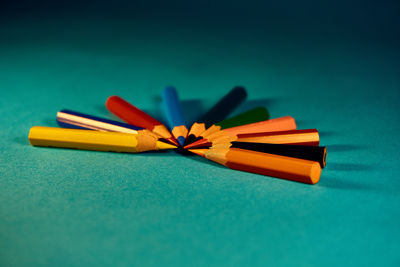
(331, 71)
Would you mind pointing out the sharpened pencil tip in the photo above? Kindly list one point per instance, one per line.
(200, 152)
(162, 145)
(181, 140)
(199, 143)
(172, 140)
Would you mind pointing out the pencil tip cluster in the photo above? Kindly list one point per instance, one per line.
(250, 141)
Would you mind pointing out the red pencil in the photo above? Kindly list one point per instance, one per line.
(132, 115)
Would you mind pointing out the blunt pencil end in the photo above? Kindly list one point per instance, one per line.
(315, 173)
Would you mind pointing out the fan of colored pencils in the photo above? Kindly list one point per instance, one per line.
(250, 141)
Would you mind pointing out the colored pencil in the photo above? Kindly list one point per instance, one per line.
(76, 120)
(215, 135)
(300, 170)
(96, 140)
(217, 113)
(194, 133)
(132, 115)
(308, 137)
(174, 114)
(313, 153)
(251, 116)
(224, 106)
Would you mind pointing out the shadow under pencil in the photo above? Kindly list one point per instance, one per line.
(21, 140)
(50, 122)
(225, 106)
(343, 147)
(103, 111)
(192, 108)
(324, 134)
(341, 166)
(344, 184)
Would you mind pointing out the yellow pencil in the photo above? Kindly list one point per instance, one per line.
(95, 140)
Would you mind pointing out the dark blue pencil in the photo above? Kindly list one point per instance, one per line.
(217, 113)
(174, 114)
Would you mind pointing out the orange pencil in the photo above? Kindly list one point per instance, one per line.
(309, 137)
(212, 135)
(299, 170)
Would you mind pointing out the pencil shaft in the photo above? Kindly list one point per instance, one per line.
(251, 116)
(94, 140)
(174, 114)
(72, 119)
(172, 107)
(279, 124)
(308, 137)
(313, 153)
(130, 114)
(224, 106)
(299, 170)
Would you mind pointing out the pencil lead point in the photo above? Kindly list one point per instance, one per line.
(161, 145)
(181, 140)
(199, 143)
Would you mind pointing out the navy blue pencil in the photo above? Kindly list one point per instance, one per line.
(72, 119)
(173, 111)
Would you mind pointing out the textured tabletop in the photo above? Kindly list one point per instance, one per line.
(333, 67)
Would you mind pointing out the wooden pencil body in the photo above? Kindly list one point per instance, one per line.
(94, 140)
(254, 115)
(224, 106)
(294, 169)
(313, 153)
(129, 113)
(132, 115)
(72, 119)
(286, 123)
(174, 114)
(308, 137)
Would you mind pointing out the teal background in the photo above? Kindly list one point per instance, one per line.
(332, 66)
